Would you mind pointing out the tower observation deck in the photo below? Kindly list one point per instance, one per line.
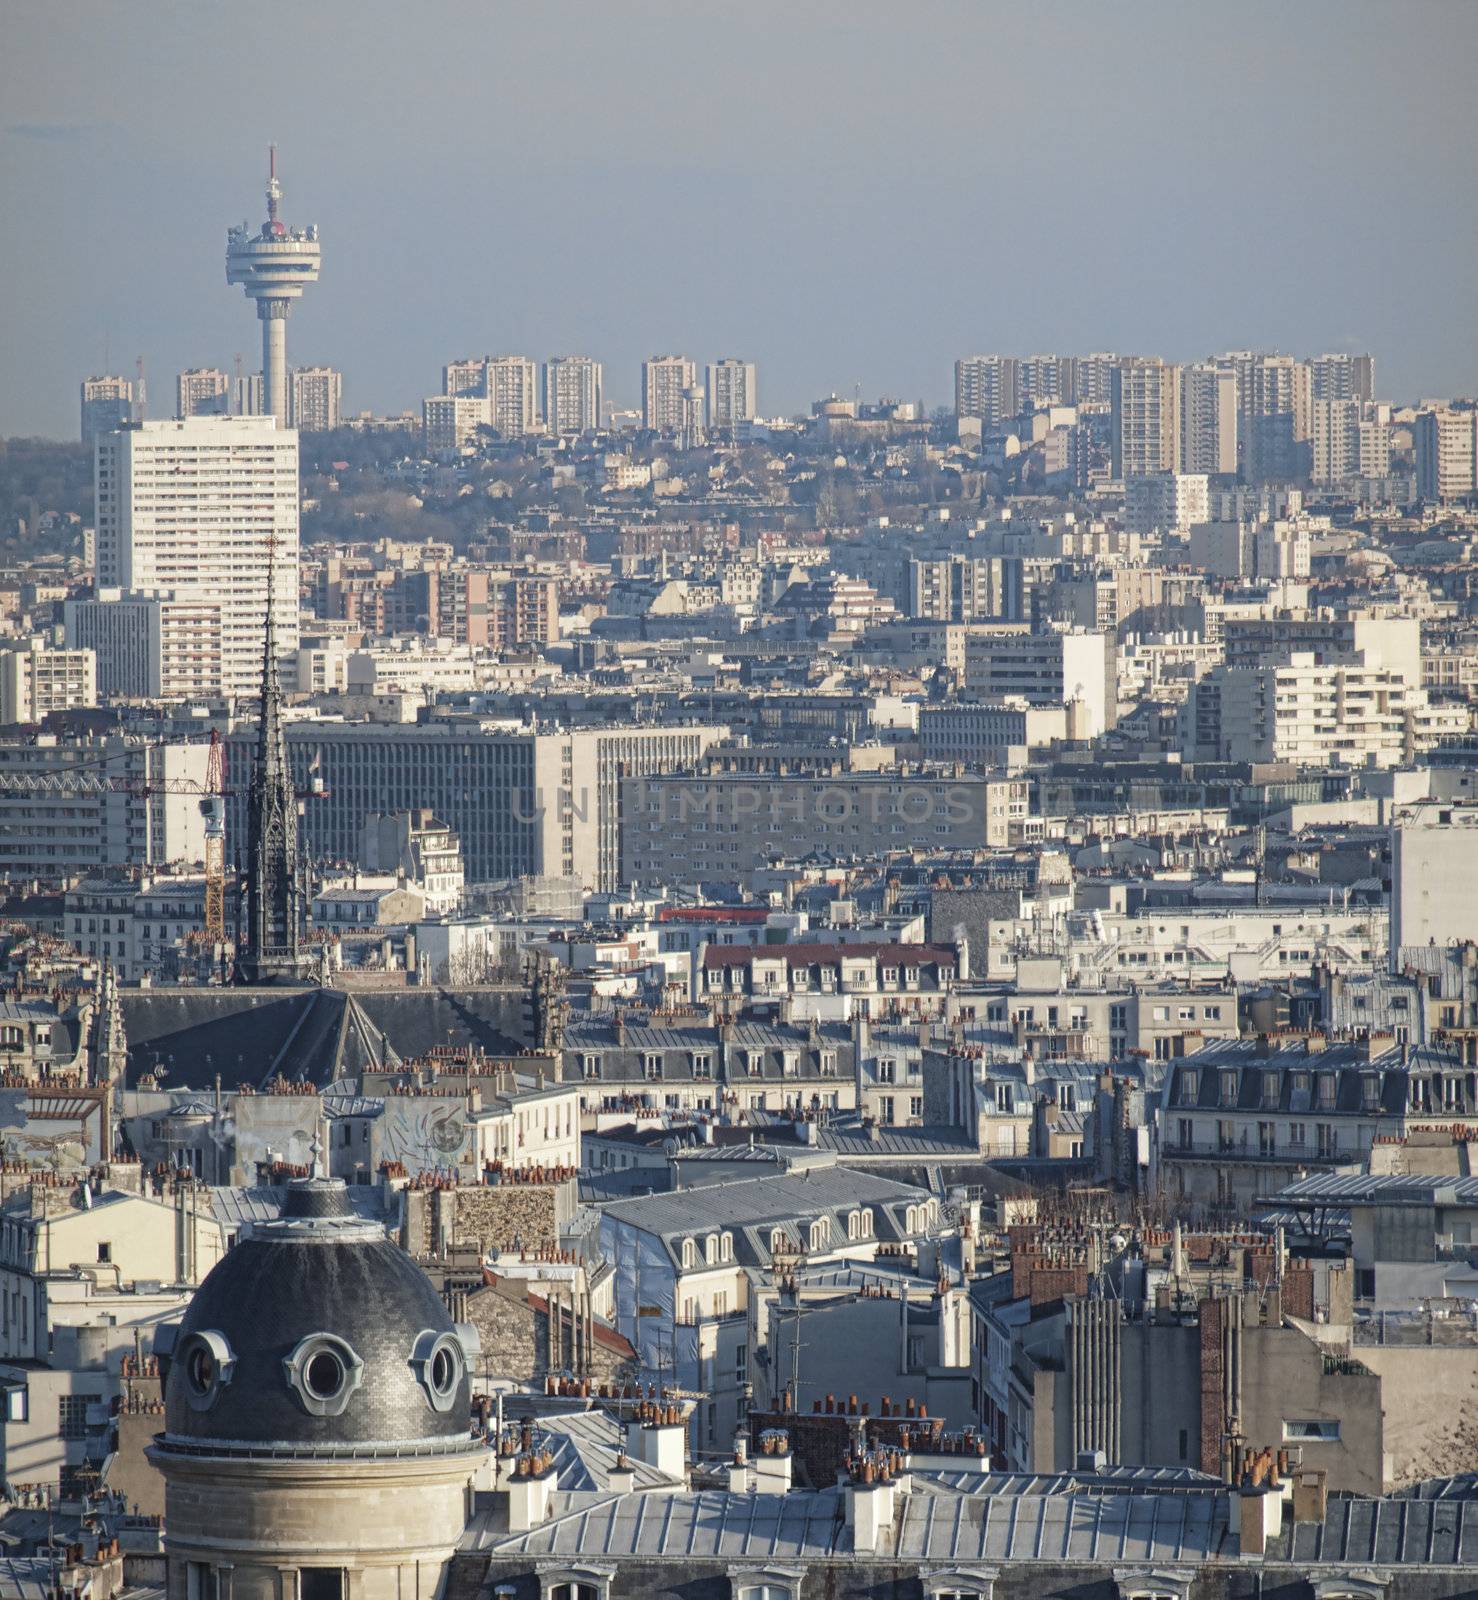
(272, 266)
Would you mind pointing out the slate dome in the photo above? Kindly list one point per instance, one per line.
(317, 1331)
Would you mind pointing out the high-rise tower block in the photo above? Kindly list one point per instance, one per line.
(272, 266)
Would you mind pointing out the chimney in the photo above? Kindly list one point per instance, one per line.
(870, 1512)
(661, 1442)
(533, 1481)
(774, 1465)
(741, 1480)
(1310, 1496)
(622, 1476)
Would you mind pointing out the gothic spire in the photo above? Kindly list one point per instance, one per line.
(274, 951)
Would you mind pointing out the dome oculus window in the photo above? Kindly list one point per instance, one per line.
(323, 1372)
(209, 1363)
(439, 1362)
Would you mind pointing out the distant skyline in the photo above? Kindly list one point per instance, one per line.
(845, 194)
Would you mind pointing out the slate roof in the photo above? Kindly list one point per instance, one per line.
(312, 1034)
(938, 1528)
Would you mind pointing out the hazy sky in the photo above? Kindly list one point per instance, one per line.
(850, 193)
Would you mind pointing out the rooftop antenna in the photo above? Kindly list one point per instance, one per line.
(274, 189)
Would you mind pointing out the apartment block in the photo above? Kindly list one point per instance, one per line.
(315, 397)
(665, 382)
(202, 392)
(731, 393)
(205, 509)
(986, 387)
(37, 678)
(1045, 669)
(1145, 397)
(572, 394)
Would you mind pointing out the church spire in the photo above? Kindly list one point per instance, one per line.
(274, 951)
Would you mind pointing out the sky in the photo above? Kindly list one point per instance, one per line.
(850, 194)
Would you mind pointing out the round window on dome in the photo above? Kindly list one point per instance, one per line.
(440, 1363)
(323, 1372)
(207, 1363)
(324, 1375)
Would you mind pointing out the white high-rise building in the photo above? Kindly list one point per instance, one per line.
(1145, 395)
(248, 395)
(201, 392)
(107, 403)
(665, 381)
(1349, 439)
(1093, 378)
(150, 645)
(1208, 419)
(1342, 377)
(450, 421)
(731, 393)
(316, 393)
(513, 395)
(202, 509)
(1446, 453)
(1166, 501)
(572, 394)
(986, 387)
(1274, 393)
(469, 375)
(1042, 380)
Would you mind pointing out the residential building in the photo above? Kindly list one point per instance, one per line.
(694, 1257)
(160, 646)
(1064, 667)
(1208, 419)
(1349, 439)
(450, 423)
(1145, 397)
(468, 376)
(1274, 394)
(1304, 711)
(1434, 875)
(730, 394)
(37, 678)
(1165, 502)
(986, 387)
(315, 397)
(665, 381)
(69, 806)
(417, 845)
(513, 395)
(1446, 444)
(572, 394)
(1342, 377)
(201, 392)
(107, 403)
(207, 509)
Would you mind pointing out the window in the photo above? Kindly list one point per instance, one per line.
(200, 1581)
(726, 1247)
(652, 1064)
(1307, 1431)
(741, 1363)
(105, 1252)
(690, 1255)
(17, 1405)
(575, 1591)
(320, 1583)
(710, 1250)
(72, 1414)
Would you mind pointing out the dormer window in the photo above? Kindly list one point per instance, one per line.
(652, 1064)
(702, 1064)
(1190, 1086)
(710, 1250)
(590, 1066)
